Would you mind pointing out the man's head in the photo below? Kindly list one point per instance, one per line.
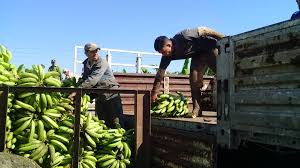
(53, 62)
(66, 71)
(163, 45)
(91, 51)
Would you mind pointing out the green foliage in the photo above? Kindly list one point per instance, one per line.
(209, 72)
(145, 70)
(185, 68)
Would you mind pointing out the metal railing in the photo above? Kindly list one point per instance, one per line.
(138, 64)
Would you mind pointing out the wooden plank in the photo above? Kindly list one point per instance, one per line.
(279, 110)
(269, 59)
(271, 136)
(278, 42)
(266, 120)
(270, 79)
(266, 130)
(267, 29)
(268, 70)
(272, 97)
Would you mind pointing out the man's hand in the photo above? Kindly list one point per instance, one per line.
(153, 97)
(72, 95)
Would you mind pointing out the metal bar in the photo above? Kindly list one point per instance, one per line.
(120, 64)
(109, 58)
(125, 51)
(76, 140)
(75, 61)
(138, 63)
(42, 89)
(142, 129)
(149, 66)
(166, 84)
(3, 114)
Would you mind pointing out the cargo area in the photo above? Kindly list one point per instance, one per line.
(251, 111)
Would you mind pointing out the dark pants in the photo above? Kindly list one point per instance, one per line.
(110, 110)
(205, 57)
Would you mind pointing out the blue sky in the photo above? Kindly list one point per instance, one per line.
(38, 31)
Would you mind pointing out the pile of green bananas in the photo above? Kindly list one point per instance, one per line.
(46, 137)
(40, 126)
(36, 76)
(169, 105)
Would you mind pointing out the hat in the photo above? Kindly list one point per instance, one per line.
(65, 70)
(91, 47)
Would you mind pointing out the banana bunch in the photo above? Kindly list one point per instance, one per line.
(8, 72)
(168, 105)
(92, 130)
(36, 76)
(116, 151)
(85, 101)
(87, 159)
(5, 55)
(44, 147)
(10, 139)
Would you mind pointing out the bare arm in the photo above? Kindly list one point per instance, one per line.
(205, 31)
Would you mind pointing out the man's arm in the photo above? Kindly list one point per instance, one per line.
(164, 63)
(205, 31)
(95, 76)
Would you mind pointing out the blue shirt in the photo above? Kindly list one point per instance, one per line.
(296, 15)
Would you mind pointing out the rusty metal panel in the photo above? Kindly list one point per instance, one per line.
(174, 148)
(176, 83)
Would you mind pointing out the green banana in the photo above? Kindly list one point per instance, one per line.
(49, 121)
(44, 100)
(108, 162)
(49, 100)
(66, 129)
(41, 130)
(164, 96)
(91, 158)
(163, 104)
(32, 131)
(37, 151)
(29, 147)
(57, 160)
(25, 106)
(59, 138)
(90, 141)
(22, 127)
(90, 163)
(27, 80)
(59, 145)
(52, 152)
(29, 75)
(42, 153)
(52, 82)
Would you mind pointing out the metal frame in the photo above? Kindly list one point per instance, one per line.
(142, 118)
(138, 64)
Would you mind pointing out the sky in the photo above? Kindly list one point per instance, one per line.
(37, 31)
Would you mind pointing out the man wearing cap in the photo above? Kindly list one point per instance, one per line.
(67, 73)
(98, 74)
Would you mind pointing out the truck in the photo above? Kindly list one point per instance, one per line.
(259, 87)
(258, 107)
